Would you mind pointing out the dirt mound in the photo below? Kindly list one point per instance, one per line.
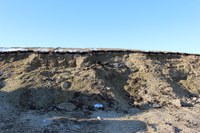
(68, 92)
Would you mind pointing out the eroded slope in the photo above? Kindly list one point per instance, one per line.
(140, 92)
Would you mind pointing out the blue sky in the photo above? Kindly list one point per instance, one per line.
(167, 25)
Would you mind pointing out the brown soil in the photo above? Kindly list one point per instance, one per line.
(140, 92)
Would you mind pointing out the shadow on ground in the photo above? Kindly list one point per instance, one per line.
(36, 110)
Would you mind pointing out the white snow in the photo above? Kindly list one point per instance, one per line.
(12, 49)
(71, 50)
(42, 50)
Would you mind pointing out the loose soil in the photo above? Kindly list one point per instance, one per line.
(144, 92)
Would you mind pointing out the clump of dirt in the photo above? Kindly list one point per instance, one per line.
(68, 92)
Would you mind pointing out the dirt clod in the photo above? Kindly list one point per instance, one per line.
(65, 85)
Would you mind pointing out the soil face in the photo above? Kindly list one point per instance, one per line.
(99, 91)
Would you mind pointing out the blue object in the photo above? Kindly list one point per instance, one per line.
(98, 105)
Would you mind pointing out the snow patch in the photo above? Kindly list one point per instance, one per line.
(12, 49)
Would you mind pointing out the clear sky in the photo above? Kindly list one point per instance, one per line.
(169, 25)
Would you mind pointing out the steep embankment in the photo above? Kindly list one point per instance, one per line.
(140, 91)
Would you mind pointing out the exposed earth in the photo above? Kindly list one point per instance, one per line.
(100, 91)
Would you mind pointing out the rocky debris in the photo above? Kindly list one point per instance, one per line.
(66, 106)
(65, 85)
(65, 89)
(58, 80)
(117, 65)
(176, 102)
(198, 100)
(194, 99)
(108, 88)
(156, 105)
(5, 75)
